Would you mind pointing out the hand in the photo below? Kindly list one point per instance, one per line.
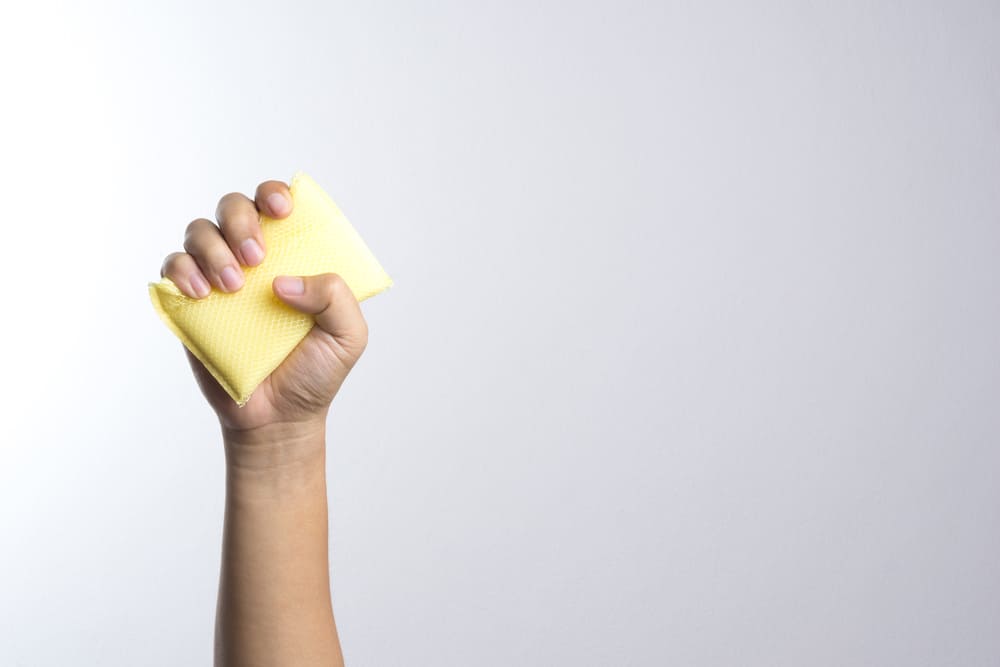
(297, 395)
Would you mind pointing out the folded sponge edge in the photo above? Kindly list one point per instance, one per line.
(154, 295)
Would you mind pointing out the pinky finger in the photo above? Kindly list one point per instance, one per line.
(181, 268)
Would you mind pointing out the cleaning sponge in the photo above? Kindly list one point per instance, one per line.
(242, 336)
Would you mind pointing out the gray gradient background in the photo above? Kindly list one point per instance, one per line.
(692, 357)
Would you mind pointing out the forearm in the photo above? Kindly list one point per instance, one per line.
(274, 591)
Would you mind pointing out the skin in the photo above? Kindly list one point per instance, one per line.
(274, 592)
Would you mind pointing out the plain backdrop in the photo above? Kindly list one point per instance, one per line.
(693, 356)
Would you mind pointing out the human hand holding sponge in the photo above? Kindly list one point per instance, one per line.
(278, 265)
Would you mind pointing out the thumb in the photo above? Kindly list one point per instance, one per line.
(330, 299)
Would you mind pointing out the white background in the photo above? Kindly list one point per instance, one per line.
(693, 356)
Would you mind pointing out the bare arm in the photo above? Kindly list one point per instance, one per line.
(274, 590)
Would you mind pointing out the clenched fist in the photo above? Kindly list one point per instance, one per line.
(298, 393)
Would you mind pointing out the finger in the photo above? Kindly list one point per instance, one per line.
(204, 242)
(181, 268)
(273, 199)
(330, 299)
(240, 225)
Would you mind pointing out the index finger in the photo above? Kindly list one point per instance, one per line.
(273, 199)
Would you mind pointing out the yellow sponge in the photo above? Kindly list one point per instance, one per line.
(241, 337)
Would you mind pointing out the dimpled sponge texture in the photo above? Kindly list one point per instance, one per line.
(241, 337)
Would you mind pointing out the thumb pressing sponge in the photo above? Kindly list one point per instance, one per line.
(242, 336)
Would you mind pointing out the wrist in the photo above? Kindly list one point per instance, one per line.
(276, 447)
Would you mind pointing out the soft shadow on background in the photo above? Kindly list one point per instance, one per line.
(693, 356)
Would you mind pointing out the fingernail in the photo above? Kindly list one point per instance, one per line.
(278, 204)
(290, 285)
(199, 285)
(231, 279)
(252, 253)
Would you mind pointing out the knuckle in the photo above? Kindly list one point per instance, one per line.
(228, 200)
(242, 213)
(335, 288)
(205, 241)
(172, 263)
(337, 284)
(195, 226)
(329, 288)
